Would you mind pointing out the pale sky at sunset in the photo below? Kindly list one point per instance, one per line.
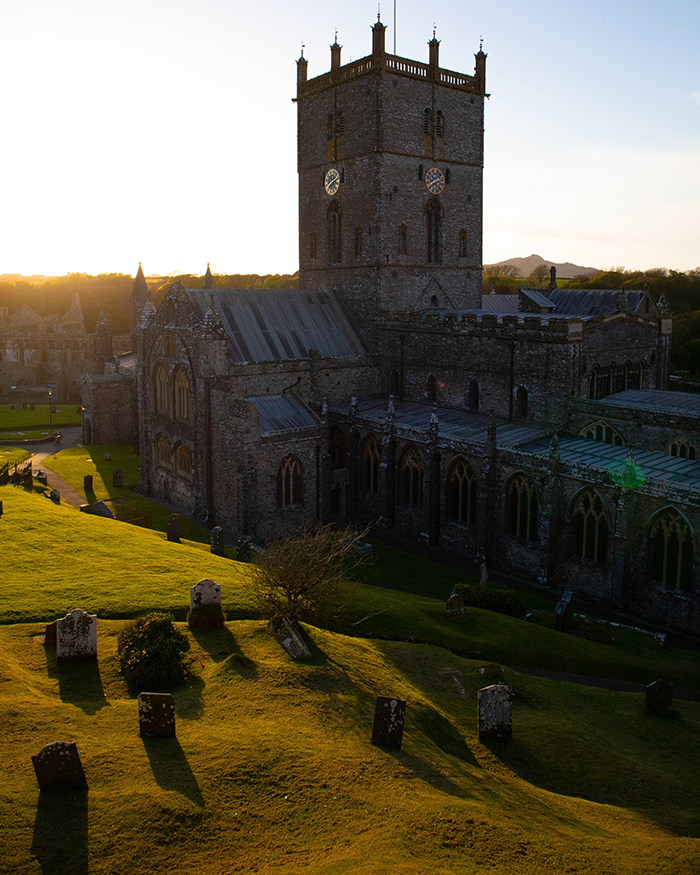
(163, 131)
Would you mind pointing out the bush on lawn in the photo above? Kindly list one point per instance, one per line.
(501, 599)
(152, 653)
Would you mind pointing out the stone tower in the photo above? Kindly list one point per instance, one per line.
(390, 159)
(139, 295)
(102, 339)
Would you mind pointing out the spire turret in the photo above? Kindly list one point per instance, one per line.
(208, 281)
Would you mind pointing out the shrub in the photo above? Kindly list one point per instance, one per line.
(206, 618)
(501, 599)
(152, 653)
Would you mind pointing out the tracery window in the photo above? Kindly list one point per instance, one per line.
(183, 460)
(164, 455)
(671, 551)
(289, 482)
(182, 394)
(591, 527)
(334, 231)
(336, 447)
(604, 432)
(411, 473)
(433, 227)
(161, 386)
(682, 448)
(371, 458)
(461, 493)
(522, 508)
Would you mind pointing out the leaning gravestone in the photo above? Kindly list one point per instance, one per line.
(117, 477)
(76, 636)
(659, 698)
(217, 541)
(157, 715)
(173, 527)
(206, 592)
(87, 483)
(58, 767)
(389, 718)
(455, 606)
(285, 634)
(55, 495)
(495, 712)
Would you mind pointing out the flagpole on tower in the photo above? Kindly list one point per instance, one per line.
(394, 26)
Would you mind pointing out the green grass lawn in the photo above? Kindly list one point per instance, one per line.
(41, 417)
(13, 455)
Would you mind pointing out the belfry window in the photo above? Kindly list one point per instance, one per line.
(590, 528)
(289, 482)
(463, 243)
(427, 120)
(433, 227)
(334, 231)
(440, 124)
(461, 493)
(671, 551)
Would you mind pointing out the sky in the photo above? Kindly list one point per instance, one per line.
(163, 131)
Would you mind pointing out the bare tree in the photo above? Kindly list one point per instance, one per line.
(303, 575)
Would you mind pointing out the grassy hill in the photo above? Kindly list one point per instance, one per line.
(272, 770)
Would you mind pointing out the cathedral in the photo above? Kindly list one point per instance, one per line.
(533, 432)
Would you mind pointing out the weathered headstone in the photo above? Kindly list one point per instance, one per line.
(55, 495)
(41, 477)
(483, 575)
(50, 634)
(58, 767)
(455, 606)
(157, 715)
(217, 541)
(495, 712)
(389, 717)
(117, 477)
(173, 527)
(285, 634)
(87, 483)
(206, 592)
(243, 549)
(32, 406)
(108, 457)
(76, 636)
(24, 405)
(659, 698)
(564, 612)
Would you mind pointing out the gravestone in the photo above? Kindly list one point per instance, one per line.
(24, 405)
(55, 495)
(58, 767)
(76, 636)
(173, 527)
(495, 712)
(41, 477)
(659, 698)
(32, 407)
(217, 541)
(206, 592)
(157, 715)
(483, 575)
(50, 634)
(243, 549)
(455, 606)
(87, 483)
(108, 457)
(285, 634)
(564, 612)
(117, 477)
(389, 717)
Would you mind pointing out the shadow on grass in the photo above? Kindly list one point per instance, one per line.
(219, 643)
(79, 682)
(60, 840)
(171, 769)
(427, 772)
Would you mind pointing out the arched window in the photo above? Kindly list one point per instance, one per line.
(334, 231)
(522, 508)
(461, 493)
(521, 403)
(671, 551)
(289, 482)
(336, 447)
(161, 388)
(600, 382)
(682, 448)
(634, 375)
(411, 477)
(427, 120)
(395, 383)
(164, 456)
(340, 124)
(590, 527)
(473, 396)
(420, 173)
(358, 242)
(433, 227)
(431, 389)
(462, 242)
(182, 394)
(183, 460)
(403, 238)
(602, 431)
(371, 460)
(440, 124)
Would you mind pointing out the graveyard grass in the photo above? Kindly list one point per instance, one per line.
(272, 770)
(13, 455)
(41, 417)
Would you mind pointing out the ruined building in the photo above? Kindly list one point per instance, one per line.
(533, 432)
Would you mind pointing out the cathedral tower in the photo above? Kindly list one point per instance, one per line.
(390, 159)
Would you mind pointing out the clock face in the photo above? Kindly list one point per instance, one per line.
(332, 181)
(434, 180)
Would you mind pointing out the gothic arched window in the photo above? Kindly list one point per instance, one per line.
(433, 227)
(164, 455)
(411, 475)
(334, 232)
(461, 493)
(161, 387)
(682, 448)
(371, 460)
(427, 120)
(336, 447)
(671, 551)
(473, 396)
(431, 389)
(289, 482)
(591, 527)
(521, 403)
(183, 460)
(522, 508)
(604, 432)
(182, 394)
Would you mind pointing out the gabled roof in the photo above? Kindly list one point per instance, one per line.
(593, 302)
(282, 413)
(278, 324)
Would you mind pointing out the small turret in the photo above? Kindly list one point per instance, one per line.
(302, 72)
(102, 339)
(434, 57)
(335, 57)
(378, 44)
(480, 69)
(137, 300)
(208, 281)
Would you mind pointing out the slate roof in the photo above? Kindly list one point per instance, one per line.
(592, 302)
(278, 324)
(538, 298)
(499, 303)
(687, 403)
(282, 413)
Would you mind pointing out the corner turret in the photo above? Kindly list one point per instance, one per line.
(139, 295)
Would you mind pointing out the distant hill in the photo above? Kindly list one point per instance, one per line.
(565, 270)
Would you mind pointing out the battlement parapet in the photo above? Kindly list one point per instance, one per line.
(531, 325)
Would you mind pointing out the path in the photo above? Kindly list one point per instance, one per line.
(71, 437)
